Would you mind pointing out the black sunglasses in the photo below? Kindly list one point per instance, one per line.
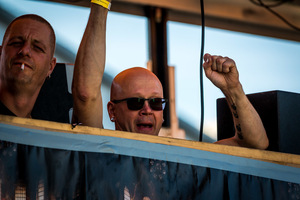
(135, 103)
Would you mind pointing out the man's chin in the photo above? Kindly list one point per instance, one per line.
(148, 131)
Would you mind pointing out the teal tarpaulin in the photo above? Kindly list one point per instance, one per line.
(57, 165)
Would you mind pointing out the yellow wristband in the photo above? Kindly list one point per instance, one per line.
(103, 3)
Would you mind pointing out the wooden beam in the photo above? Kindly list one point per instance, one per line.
(267, 156)
(234, 15)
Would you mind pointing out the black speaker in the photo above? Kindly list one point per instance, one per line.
(54, 100)
(280, 114)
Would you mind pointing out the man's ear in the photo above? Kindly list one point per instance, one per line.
(111, 111)
(52, 65)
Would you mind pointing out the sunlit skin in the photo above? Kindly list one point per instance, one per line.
(136, 82)
(27, 43)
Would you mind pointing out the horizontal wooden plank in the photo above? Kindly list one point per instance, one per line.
(49, 159)
(267, 156)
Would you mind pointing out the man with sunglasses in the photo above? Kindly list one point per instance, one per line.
(136, 102)
(137, 95)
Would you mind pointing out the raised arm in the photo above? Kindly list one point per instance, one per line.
(89, 69)
(249, 130)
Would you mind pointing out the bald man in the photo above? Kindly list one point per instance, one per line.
(137, 102)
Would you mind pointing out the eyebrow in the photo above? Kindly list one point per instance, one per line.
(35, 41)
(13, 38)
(41, 43)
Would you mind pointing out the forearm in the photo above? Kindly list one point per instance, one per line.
(89, 69)
(249, 129)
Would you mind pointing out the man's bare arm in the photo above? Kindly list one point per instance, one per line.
(89, 69)
(249, 129)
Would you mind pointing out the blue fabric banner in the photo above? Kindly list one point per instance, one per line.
(36, 164)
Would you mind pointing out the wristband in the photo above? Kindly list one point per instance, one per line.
(103, 3)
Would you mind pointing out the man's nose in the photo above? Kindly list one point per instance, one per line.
(25, 50)
(146, 108)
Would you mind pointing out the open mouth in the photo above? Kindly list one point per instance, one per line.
(146, 126)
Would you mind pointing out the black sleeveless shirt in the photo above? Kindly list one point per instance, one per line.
(5, 111)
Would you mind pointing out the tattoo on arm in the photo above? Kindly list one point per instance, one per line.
(234, 112)
(233, 106)
(239, 131)
(238, 127)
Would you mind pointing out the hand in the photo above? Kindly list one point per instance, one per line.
(222, 72)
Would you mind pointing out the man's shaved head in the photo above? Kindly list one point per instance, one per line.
(125, 79)
(136, 82)
(36, 18)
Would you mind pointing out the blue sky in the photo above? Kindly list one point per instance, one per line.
(264, 63)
